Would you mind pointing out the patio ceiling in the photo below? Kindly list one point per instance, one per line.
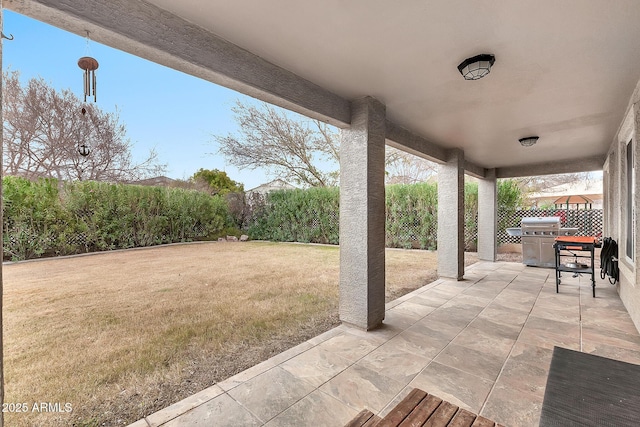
(564, 71)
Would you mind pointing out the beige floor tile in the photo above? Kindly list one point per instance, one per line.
(515, 299)
(316, 409)
(497, 329)
(612, 352)
(481, 292)
(222, 411)
(512, 407)
(394, 362)
(569, 314)
(421, 343)
(531, 287)
(246, 375)
(444, 290)
(519, 375)
(500, 313)
(485, 342)
(432, 327)
(293, 352)
(402, 318)
(428, 300)
(459, 315)
(532, 355)
(270, 393)
(548, 340)
(594, 334)
(323, 337)
(471, 300)
(349, 346)
(378, 336)
(472, 361)
(556, 326)
(316, 366)
(185, 405)
(413, 310)
(458, 387)
(360, 388)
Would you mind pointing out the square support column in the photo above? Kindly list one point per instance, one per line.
(362, 216)
(451, 216)
(488, 217)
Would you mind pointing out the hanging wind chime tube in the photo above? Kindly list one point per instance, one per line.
(89, 65)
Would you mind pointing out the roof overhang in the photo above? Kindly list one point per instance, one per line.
(564, 71)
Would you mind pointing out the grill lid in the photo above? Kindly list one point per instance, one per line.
(538, 221)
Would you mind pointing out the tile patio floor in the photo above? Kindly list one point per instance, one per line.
(483, 343)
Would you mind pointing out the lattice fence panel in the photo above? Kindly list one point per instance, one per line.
(589, 222)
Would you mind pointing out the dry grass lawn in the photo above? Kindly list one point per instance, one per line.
(122, 334)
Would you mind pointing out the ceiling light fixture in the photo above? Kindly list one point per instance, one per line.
(528, 141)
(477, 67)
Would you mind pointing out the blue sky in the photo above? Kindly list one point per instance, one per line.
(162, 108)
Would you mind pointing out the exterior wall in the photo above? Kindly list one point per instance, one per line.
(616, 223)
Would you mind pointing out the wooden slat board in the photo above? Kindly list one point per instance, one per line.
(362, 419)
(403, 409)
(419, 408)
(482, 422)
(463, 418)
(422, 411)
(442, 415)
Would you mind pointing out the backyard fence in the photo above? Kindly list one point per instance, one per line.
(588, 221)
(411, 219)
(48, 218)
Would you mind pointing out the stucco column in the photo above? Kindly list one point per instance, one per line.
(487, 216)
(362, 215)
(451, 216)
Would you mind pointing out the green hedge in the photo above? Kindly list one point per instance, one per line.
(48, 218)
(297, 216)
(411, 214)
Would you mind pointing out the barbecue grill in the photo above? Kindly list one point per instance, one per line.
(538, 234)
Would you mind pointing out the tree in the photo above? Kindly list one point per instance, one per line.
(541, 183)
(289, 149)
(405, 168)
(43, 129)
(216, 182)
(293, 150)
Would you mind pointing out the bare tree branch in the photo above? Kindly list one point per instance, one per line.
(43, 129)
(405, 168)
(287, 148)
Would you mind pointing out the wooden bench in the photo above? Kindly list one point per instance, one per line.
(422, 409)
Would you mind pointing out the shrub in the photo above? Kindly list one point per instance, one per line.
(33, 217)
(44, 218)
(298, 216)
(412, 215)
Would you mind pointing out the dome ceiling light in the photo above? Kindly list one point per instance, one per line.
(528, 141)
(477, 67)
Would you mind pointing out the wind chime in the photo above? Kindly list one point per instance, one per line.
(89, 65)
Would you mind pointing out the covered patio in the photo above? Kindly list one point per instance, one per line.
(387, 74)
(483, 343)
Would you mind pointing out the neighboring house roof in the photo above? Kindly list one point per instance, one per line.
(276, 184)
(156, 181)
